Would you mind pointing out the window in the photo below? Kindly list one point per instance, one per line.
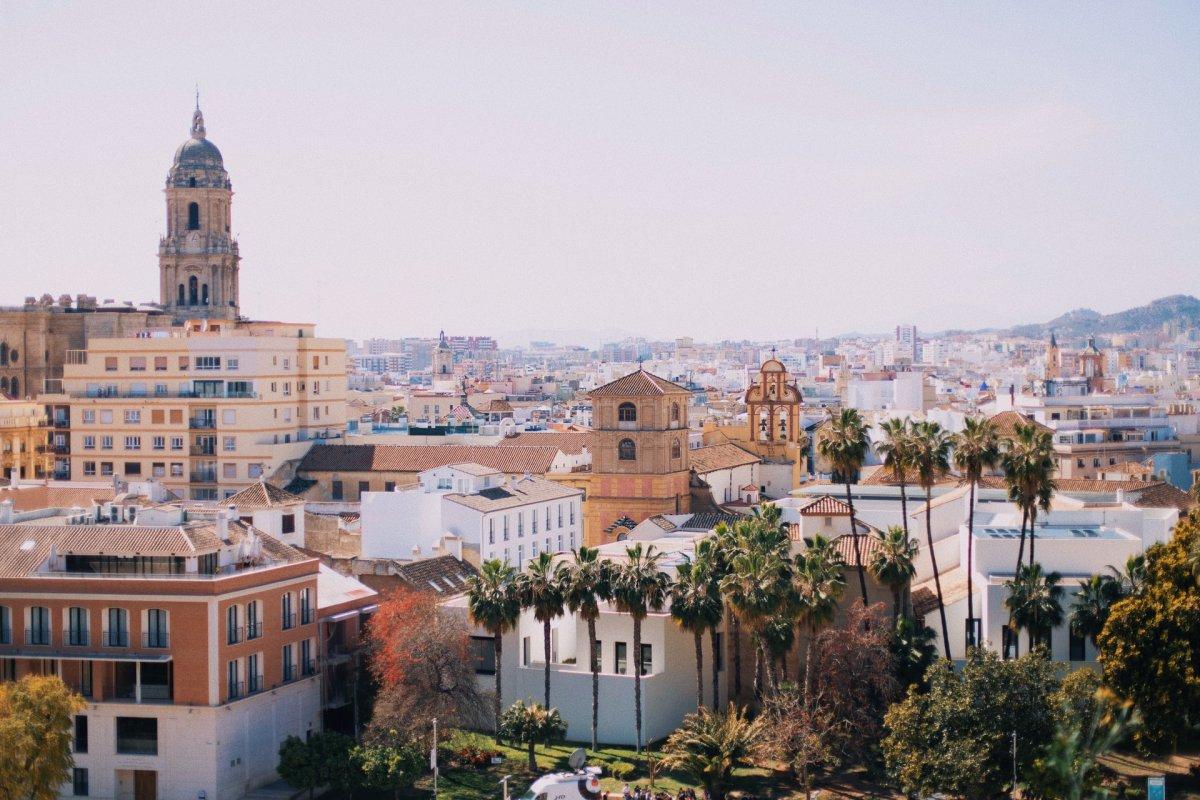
(364, 486)
(39, 626)
(232, 677)
(229, 416)
(627, 450)
(79, 781)
(572, 506)
(81, 734)
(106, 416)
(1078, 647)
(89, 468)
(137, 363)
(306, 662)
(5, 625)
(647, 658)
(674, 412)
(176, 469)
(106, 469)
(336, 490)
(389, 486)
(160, 363)
(254, 677)
(229, 471)
(117, 634)
(483, 654)
(193, 223)
(89, 416)
(289, 664)
(229, 444)
(89, 443)
(176, 442)
(620, 657)
(137, 736)
(505, 528)
(533, 522)
(133, 443)
(77, 626)
(208, 362)
(156, 628)
(1008, 642)
(110, 364)
(627, 412)
(288, 523)
(231, 363)
(133, 468)
(106, 443)
(676, 449)
(285, 609)
(232, 628)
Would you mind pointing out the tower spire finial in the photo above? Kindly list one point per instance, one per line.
(198, 118)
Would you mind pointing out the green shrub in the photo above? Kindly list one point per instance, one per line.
(622, 770)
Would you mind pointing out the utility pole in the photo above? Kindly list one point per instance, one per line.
(1014, 760)
(433, 762)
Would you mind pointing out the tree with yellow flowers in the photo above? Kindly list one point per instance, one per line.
(36, 720)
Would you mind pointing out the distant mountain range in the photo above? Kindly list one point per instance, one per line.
(1183, 309)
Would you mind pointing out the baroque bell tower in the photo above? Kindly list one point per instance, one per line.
(198, 258)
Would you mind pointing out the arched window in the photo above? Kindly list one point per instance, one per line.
(626, 450)
(3, 384)
(193, 290)
(193, 216)
(676, 449)
(182, 296)
(13, 355)
(192, 182)
(16, 388)
(4, 353)
(204, 295)
(627, 412)
(674, 412)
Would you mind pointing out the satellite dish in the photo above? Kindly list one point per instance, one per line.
(577, 759)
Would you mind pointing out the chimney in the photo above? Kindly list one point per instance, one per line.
(223, 525)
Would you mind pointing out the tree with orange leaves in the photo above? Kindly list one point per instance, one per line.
(421, 660)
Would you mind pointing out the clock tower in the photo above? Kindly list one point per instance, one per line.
(198, 258)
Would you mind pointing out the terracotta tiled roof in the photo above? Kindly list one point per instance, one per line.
(663, 522)
(826, 506)
(443, 574)
(720, 456)
(867, 544)
(883, 476)
(638, 384)
(572, 442)
(1006, 423)
(708, 520)
(1164, 495)
(514, 494)
(33, 498)
(262, 495)
(417, 458)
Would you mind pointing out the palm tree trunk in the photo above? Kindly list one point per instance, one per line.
(595, 665)
(1021, 547)
(716, 659)
(532, 760)
(757, 668)
(970, 552)
(736, 636)
(895, 605)
(637, 678)
(699, 637)
(1032, 533)
(937, 579)
(546, 656)
(862, 575)
(499, 667)
(808, 657)
(903, 503)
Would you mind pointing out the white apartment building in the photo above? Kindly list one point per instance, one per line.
(511, 519)
(208, 409)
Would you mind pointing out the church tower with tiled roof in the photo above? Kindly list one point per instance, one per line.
(198, 258)
(639, 454)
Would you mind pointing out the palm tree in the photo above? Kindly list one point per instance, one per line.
(931, 459)
(724, 546)
(758, 585)
(493, 605)
(1132, 579)
(1091, 605)
(696, 606)
(585, 584)
(1028, 462)
(976, 448)
(709, 745)
(893, 564)
(779, 634)
(818, 588)
(540, 589)
(896, 452)
(710, 563)
(1035, 603)
(844, 444)
(639, 586)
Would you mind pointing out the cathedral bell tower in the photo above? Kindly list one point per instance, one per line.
(198, 258)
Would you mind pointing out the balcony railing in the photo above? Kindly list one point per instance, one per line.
(255, 683)
(307, 616)
(5, 635)
(202, 424)
(203, 477)
(308, 668)
(203, 450)
(78, 638)
(289, 672)
(116, 638)
(235, 635)
(237, 690)
(253, 630)
(289, 621)
(37, 636)
(156, 639)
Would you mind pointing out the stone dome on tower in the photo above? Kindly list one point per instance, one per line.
(198, 162)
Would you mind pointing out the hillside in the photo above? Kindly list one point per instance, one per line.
(1183, 309)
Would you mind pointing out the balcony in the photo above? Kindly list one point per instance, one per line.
(253, 630)
(255, 684)
(289, 673)
(235, 635)
(5, 635)
(289, 621)
(237, 690)
(202, 424)
(202, 450)
(156, 639)
(116, 638)
(61, 449)
(203, 477)
(307, 616)
(308, 668)
(39, 637)
(78, 638)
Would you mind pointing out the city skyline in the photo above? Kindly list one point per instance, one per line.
(660, 173)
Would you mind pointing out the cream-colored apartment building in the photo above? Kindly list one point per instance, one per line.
(209, 408)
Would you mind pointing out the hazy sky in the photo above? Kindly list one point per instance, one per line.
(740, 170)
